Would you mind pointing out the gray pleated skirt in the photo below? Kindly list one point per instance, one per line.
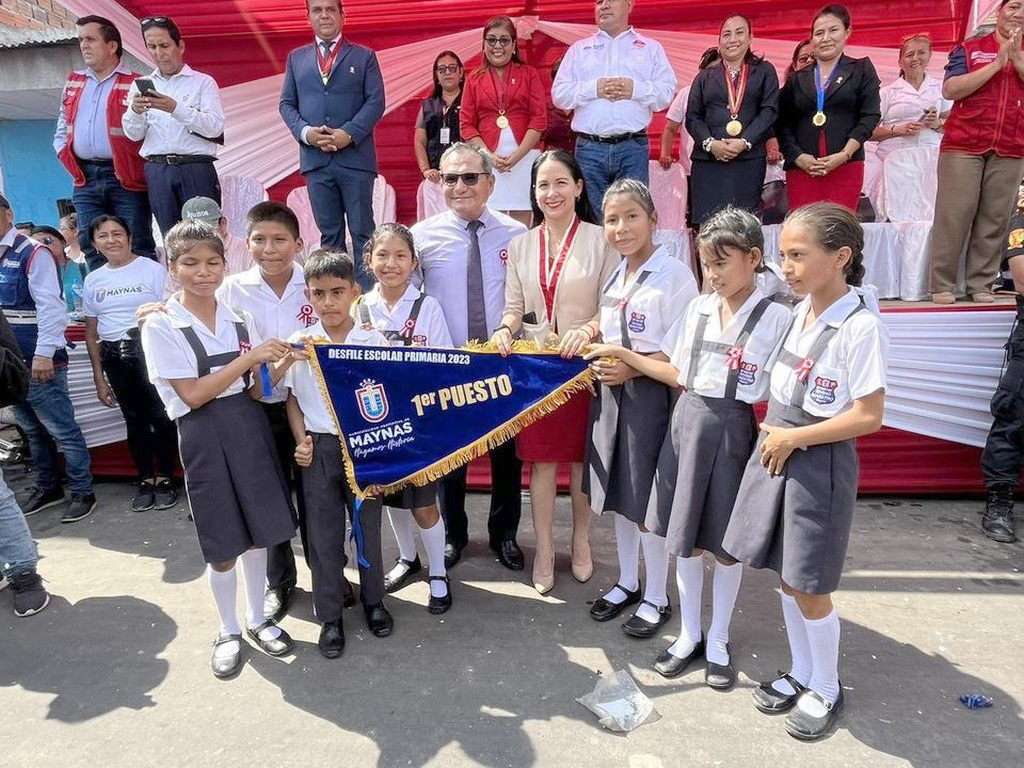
(699, 471)
(628, 424)
(235, 486)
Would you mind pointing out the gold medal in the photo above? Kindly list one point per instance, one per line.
(551, 341)
(734, 127)
(502, 122)
(819, 119)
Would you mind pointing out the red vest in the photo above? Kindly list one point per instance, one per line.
(128, 165)
(992, 118)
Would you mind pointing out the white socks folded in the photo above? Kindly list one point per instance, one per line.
(254, 574)
(627, 541)
(814, 645)
(690, 582)
(404, 526)
(433, 542)
(224, 586)
(796, 631)
(725, 589)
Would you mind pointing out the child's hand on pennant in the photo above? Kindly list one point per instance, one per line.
(270, 351)
(304, 452)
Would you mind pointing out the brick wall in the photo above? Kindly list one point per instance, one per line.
(35, 14)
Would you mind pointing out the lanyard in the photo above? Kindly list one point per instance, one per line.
(821, 91)
(736, 91)
(549, 279)
(326, 64)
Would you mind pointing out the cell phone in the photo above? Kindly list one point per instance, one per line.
(145, 86)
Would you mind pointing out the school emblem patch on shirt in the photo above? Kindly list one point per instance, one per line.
(373, 401)
(824, 390)
(747, 373)
(637, 322)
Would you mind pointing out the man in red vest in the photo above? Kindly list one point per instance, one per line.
(981, 158)
(104, 163)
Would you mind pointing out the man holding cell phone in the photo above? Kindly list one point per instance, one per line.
(177, 115)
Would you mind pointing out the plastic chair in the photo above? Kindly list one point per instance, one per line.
(429, 200)
(668, 188)
(238, 194)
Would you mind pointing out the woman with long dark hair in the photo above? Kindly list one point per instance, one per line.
(437, 125)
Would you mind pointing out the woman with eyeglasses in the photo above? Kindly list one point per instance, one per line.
(504, 112)
(437, 125)
(803, 56)
(111, 296)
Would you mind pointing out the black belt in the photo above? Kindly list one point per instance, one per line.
(180, 159)
(128, 348)
(94, 161)
(614, 139)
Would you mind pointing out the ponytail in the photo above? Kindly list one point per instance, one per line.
(834, 227)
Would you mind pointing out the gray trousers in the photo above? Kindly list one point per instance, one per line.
(328, 498)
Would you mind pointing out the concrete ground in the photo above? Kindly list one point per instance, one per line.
(115, 672)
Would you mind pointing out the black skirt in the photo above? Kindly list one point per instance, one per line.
(714, 185)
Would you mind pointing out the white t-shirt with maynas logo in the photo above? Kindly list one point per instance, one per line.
(112, 295)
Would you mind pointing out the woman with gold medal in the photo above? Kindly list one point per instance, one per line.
(730, 114)
(555, 273)
(504, 112)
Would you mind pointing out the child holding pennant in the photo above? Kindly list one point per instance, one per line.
(407, 317)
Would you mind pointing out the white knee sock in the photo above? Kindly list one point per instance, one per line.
(726, 587)
(254, 573)
(823, 638)
(656, 572)
(224, 586)
(433, 542)
(404, 526)
(627, 541)
(799, 648)
(690, 582)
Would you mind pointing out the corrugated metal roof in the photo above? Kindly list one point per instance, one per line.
(25, 38)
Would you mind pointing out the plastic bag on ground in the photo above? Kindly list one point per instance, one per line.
(618, 703)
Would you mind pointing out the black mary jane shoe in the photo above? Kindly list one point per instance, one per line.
(805, 727)
(275, 603)
(773, 702)
(225, 667)
(401, 574)
(277, 646)
(439, 605)
(669, 665)
(606, 610)
(721, 677)
(634, 626)
(378, 620)
(332, 639)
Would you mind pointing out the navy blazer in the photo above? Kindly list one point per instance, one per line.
(352, 99)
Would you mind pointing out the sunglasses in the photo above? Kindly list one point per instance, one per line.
(504, 42)
(154, 20)
(469, 179)
(443, 69)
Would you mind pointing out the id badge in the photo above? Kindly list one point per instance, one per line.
(446, 135)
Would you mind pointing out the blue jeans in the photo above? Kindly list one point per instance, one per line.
(17, 552)
(48, 419)
(103, 193)
(604, 163)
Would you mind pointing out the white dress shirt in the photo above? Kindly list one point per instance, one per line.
(169, 356)
(852, 366)
(92, 139)
(197, 118)
(113, 294)
(431, 329)
(903, 103)
(44, 285)
(442, 246)
(631, 55)
(712, 368)
(655, 306)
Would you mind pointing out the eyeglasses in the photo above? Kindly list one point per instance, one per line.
(443, 69)
(492, 41)
(805, 58)
(469, 179)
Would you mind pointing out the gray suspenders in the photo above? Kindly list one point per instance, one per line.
(407, 333)
(608, 301)
(205, 362)
(700, 344)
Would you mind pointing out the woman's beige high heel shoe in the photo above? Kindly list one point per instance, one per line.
(544, 580)
(582, 567)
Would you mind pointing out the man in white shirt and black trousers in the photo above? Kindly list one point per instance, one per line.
(462, 255)
(180, 122)
(613, 81)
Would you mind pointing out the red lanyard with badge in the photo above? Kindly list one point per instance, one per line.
(326, 64)
(550, 274)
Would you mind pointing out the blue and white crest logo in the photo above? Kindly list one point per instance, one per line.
(101, 294)
(373, 402)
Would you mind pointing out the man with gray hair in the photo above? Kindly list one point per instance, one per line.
(462, 256)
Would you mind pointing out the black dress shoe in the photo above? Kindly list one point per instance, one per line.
(438, 605)
(452, 554)
(670, 665)
(773, 702)
(348, 595)
(721, 677)
(510, 555)
(605, 610)
(278, 646)
(226, 666)
(275, 603)
(332, 639)
(401, 574)
(805, 727)
(378, 620)
(642, 628)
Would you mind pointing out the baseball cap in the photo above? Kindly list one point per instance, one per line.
(4, 203)
(201, 209)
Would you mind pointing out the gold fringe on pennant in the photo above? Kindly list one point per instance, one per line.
(501, 434)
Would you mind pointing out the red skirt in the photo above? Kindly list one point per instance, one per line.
(560, 436)
(842, 186)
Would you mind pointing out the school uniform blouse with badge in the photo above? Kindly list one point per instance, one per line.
(628, 422)
(235, 487)
(713, 429)
(818, 373)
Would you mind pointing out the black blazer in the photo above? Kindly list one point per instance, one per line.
(707, 109)
(851, 105)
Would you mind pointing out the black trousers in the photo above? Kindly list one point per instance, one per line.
(281, 573)
(1004, 450)
(328, 498)
(151, 435)
(170, 186)
(506, 499)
